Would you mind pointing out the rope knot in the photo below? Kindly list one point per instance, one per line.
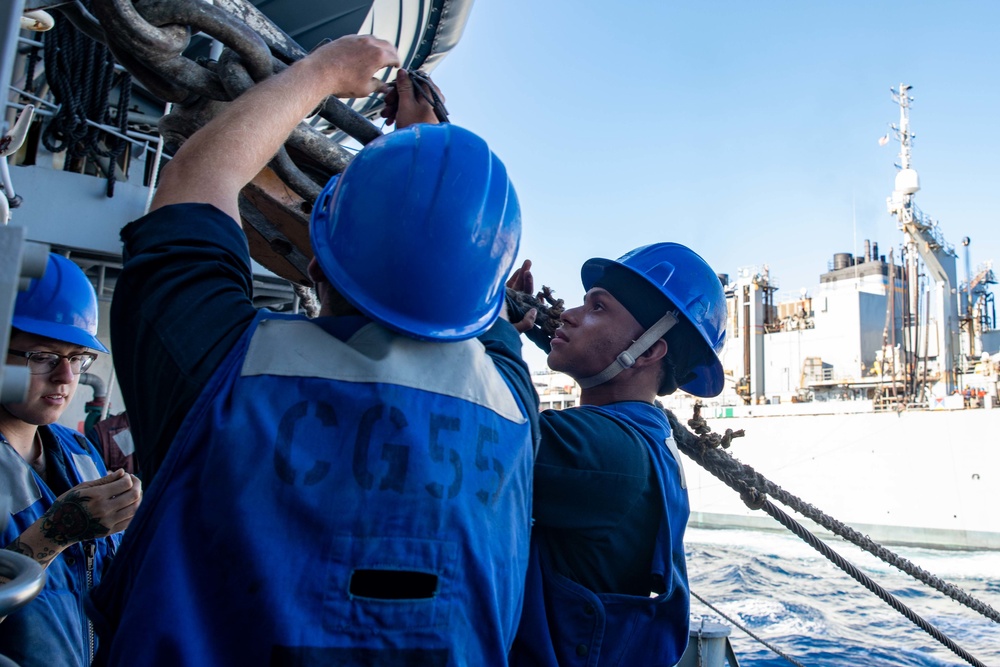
(709, 441)
(753, 498)
(727, 439)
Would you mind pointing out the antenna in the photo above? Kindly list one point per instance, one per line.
(903, 133)
(967, 299)
(854, 224)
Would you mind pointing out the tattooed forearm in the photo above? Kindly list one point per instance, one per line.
(69, 521)
(41, 556)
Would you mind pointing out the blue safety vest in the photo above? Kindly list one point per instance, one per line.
(567, 625)
(52, 630)
(331, 503)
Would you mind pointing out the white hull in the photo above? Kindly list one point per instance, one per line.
(922, 478)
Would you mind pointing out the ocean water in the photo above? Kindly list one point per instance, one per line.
(789, 595)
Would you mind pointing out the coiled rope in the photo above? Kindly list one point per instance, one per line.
(754, 488)
(81, 74)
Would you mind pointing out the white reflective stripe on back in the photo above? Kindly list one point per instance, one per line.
(672, 446)
(460, 369)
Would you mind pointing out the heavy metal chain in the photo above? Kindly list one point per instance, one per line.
(150, 37)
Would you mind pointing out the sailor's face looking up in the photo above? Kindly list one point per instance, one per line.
(592, 335)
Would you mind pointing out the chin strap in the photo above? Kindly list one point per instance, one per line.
(627, 358)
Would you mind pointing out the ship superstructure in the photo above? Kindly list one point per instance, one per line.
(900, 334)
(556, 391)
(873, 395)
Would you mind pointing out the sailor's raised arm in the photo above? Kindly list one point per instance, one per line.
(219, 159)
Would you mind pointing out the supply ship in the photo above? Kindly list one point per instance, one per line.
(875, 396)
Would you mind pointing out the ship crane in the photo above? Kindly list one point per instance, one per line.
(980, 309)
(923, 238)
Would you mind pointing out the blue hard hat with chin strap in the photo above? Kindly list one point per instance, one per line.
(642, 278)
(61, 305)
(420, 232)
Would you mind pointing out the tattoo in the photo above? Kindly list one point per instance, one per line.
(69, 521)
(42, 557)
(17, 546)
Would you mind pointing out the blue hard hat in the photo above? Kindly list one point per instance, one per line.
(61, 305)
(682, 276)
(420, 232)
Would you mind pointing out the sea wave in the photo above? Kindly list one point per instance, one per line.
(781, 590)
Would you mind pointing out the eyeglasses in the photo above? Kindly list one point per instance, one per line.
(42, 363)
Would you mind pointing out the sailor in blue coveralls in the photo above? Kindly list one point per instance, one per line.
(352, 489)
(610, 504)
(66, 511)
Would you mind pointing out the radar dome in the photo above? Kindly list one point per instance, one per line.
(907, 182)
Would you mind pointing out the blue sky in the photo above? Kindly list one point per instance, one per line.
(747, 130)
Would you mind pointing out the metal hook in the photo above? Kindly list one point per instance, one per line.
(12, 141)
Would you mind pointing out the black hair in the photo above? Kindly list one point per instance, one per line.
(335, 302)
(686, 351)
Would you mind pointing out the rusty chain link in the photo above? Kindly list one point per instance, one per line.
(152, 38)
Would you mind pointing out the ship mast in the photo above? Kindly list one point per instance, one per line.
(903, 134)
(938, 338)
(901, 203)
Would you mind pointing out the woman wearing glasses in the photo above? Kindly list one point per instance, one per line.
(65, 509)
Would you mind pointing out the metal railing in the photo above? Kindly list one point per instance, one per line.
(21, 260)
(26, 580)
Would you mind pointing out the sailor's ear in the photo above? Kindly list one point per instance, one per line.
(656, 352)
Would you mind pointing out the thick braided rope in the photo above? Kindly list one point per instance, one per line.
(866, 581)
(81, 74)
(548, 306)
(754, 487)
(66, 60)
(307, 299)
